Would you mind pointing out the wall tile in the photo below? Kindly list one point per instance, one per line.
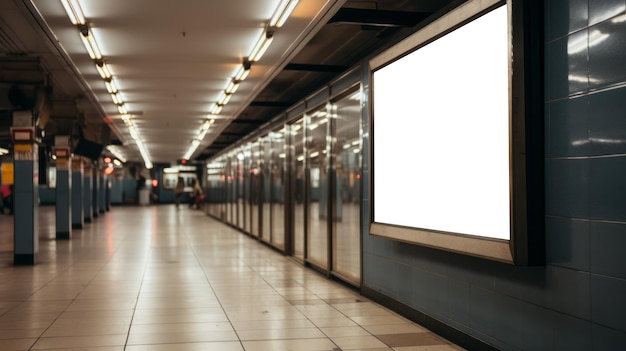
(607, 53)
(567, 130)
(608, 302)
(482, 311)
(607, 188)
(571, 333)
(567, 193)
(568, 291)
(607, 339)
(608, 241)
(430, 293)
(607, 125)
(537, 329)
(566, 66)
(601, 10)
(564, 17)
(458, 300)
(508, 326)
(567, 242)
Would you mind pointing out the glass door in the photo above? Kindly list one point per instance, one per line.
(317, 199)
(278, 159)
(255, 188)
(298, 169)
(346, 226)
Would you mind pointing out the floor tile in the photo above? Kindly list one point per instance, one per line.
(136, 279)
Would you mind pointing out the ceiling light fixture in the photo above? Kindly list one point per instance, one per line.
(122, 109)
(74, 11)
(198, 139)
(282, 12)
(261, 45)
(216, 109)
(242, 71)
(111, 86)
(90, 42)
(103, 70)
(224, 98)
(232, 86)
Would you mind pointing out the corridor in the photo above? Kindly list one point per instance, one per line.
(157, 278)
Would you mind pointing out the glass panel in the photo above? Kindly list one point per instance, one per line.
(266, 175)
(346, 220)
(241, 203)
(215, 184)
(228, 190)
(233, 189)
(297, 132)
(255, 185)
(277, 171)
(318, 188)
(246, 188)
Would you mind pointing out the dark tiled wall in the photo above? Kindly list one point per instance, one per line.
(578, 300)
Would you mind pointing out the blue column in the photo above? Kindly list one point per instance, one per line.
(102, 195)
(63, 198)
(78, 218)
(95, 184)
(26, 207)
(87, 192)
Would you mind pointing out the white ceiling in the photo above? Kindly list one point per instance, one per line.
(170, 59)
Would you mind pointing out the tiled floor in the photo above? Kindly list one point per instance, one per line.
(157, 278)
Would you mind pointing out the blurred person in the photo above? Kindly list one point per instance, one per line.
(7, 197)
(179, 190)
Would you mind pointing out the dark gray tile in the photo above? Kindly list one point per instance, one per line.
(430, 292)
(607, 54)
(458, 301)
(607, 339)
(608, 302)
(571, 333)
(564, 17)
(607, 188)
(473, 270)
(601, 10)
(537, 329)
(482, 311)
(607, 125)
(566, 189)
(568, 291)
(508, 322)
(567, 130)
(567, 242)
(608, 240)
(566, 66)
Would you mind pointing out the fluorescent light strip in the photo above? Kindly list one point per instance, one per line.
(260, 47)
(116, 152)
(283, 11)
(241, 73)
(111, 86)
(103, 70)
(76, 16)
(90, 44)
(196, 142)
(133, 133)
(74, 11)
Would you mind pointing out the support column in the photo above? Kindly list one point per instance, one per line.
(102, 196)
(94, 186)
(78, 218)
(26, 190)
(64, 188)
(87, 192)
